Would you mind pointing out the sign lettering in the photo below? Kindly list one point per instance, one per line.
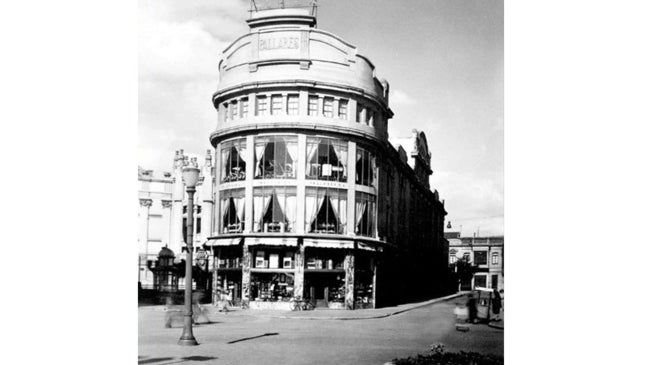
(279, 43)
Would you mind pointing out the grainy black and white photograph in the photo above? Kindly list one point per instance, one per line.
(320, 182)
(324, 182)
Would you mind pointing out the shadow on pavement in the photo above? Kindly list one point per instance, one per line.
(254, 337)
(154, 360)
(182, 359)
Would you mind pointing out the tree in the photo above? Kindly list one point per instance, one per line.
(464, 271)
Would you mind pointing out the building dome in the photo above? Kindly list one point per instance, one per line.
(166, 253)
(283, 54)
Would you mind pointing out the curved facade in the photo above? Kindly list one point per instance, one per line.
(301, 151)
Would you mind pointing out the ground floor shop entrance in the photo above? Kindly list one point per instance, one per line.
(272, 276)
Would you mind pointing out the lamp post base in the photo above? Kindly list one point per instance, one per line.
(187, 341)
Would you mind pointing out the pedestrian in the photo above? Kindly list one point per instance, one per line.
(496, 305)
(471, 308)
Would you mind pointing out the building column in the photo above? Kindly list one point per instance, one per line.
(215, 277)
(352, 170)
(145, 204)
(249, 157)
(348, 265)
(352, 110)
(303, 103)
(374, 264)
(299, 271)
(300, 189)
(335, 107)
(176, 232)
(166, 217)
(207, 198)
(245, 276)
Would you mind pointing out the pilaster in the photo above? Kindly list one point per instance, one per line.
(250, 172)
(245, 276)
(299, 273)
(348, 265)
(352, 169)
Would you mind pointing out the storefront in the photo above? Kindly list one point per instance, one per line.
(270, 272)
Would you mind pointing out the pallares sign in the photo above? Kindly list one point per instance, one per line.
(279, 43)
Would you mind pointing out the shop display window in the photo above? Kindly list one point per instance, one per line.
(325, 210)
(232, 210)
(271, 287)
(233, 165)
(275, 157)
(274, 209)
(365, 214)
(327, 159)
(321, 259)
(270, 258)
(366, 168)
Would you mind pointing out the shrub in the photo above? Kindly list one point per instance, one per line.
(438, 356)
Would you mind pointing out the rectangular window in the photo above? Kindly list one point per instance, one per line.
(274, 209)
(235, 109)
(480, 281)
(343, 109)
(495, 258)
(326, 210)
(328, 107)
(261, 105)
(452, 259)
(244, 108)
(276, 104)
(198, 225)
(313, 105)
(226, 111)
(365, 214)
(359, 113)
(276, 157)
(231, 210)
(480, 257)
(370, 117)
(366, 167)
(292, 104)
(233, 166)
(327, 159)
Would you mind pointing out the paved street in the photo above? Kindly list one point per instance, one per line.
(242, 338)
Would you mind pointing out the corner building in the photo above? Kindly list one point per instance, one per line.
(312, 201)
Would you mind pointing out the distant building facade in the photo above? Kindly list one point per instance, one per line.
(162, 213)
(484, 253)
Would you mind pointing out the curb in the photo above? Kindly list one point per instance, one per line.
(419, 305)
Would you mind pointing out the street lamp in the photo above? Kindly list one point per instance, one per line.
(190, 177)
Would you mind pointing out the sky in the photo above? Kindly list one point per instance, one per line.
(443, 59)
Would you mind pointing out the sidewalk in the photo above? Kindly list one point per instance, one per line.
(333, 314)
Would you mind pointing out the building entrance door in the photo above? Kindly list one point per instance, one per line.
(495, 282)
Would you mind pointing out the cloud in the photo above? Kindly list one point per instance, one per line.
(180, 44)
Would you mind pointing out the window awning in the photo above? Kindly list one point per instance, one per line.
(324, 243)
(225, 241)
(272, 241)
(367, 247)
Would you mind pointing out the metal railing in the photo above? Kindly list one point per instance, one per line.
(259, 5)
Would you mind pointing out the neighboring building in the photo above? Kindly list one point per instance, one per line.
(484, 253)
(163, 214)
(311, 199)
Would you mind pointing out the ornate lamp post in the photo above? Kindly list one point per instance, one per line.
(190, 177)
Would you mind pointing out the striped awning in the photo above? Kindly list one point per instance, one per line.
(272, 241)
(225, 241)
(325, 243)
